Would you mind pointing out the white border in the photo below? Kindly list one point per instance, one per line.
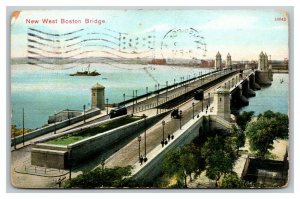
(4, 87)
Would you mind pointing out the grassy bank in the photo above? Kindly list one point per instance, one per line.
(75, 137)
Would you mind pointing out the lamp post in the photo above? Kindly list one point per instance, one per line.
(193, 109)
(124, 98)
(23, 129)
(55, 122)
(69, 116)
(136, 96)
(163, 131)
(147, 92)
(145, 155)
(155, 87)
(174, 81)
(180, 117)
(166, 90)
(208, 99)
(106, 106)
(70, 163)
(139, 140)
(102, 163)
(84, 113)
(132, 101)
(157, 103)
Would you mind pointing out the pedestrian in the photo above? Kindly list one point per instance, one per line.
(169, 137)
(141, 159)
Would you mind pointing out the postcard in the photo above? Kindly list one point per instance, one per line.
(150, 98)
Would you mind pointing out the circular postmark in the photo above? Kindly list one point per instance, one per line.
(183, 44)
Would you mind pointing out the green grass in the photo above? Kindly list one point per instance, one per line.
(72, 138)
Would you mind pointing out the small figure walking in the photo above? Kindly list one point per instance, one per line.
(141, 159)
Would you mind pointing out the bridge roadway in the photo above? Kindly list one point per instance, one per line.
(128, 155)
(158, 98)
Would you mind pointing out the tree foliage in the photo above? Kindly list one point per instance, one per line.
(231, 181)
(268, 127)
(243, 119)
(239, 138)
(107, 177)
(220, 156)
(182, 162)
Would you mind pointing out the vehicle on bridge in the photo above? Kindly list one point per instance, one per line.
(199, 94)
(118, 112)
(175, 114)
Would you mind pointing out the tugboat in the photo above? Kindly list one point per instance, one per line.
(86, 72)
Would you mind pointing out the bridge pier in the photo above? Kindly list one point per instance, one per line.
(247, 91)
(264, 77)
(253, 84)
(237, 98)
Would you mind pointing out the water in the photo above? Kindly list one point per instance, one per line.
(43, 92)
(274, 97)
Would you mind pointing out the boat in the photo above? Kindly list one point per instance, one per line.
(86, 72)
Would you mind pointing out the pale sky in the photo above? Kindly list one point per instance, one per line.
(242, 33)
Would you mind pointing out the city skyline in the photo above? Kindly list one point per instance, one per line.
(222, 30)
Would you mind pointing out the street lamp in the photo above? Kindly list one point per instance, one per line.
(147, 92)
(132, 101)
(124, 98)
(163, 125)
(23, 128)
(102, 163)
(136, 96)
(55, 122)
(208, 99)
(139, 140)
(166, 90)
(84, 113)
(180, 117)
(145, 155)
(106, 106)
(193, 109)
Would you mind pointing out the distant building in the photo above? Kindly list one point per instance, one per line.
(207, 63)
(158, 61)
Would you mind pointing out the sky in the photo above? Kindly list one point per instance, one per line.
(192, 34)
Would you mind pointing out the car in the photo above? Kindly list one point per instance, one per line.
(118, 112)
(198, 95)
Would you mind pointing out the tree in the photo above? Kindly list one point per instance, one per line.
(180, 162)
(268, 127)
(231, 181)
(219, 155)
(243, 119)
(106, 177)
(239, 138)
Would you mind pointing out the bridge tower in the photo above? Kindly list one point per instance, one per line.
(261, 61)
(222, 103)
(218, 62)
(264, 75)
(228, 61)
(97, 92)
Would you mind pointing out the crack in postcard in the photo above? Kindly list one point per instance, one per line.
(159, 98)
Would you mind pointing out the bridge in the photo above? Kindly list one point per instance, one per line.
(224, 90)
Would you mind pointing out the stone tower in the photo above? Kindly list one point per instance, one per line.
(261, 61)
(222, 103)
(266, 62)
(98, 96)
(228, 61)
(218, 63)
